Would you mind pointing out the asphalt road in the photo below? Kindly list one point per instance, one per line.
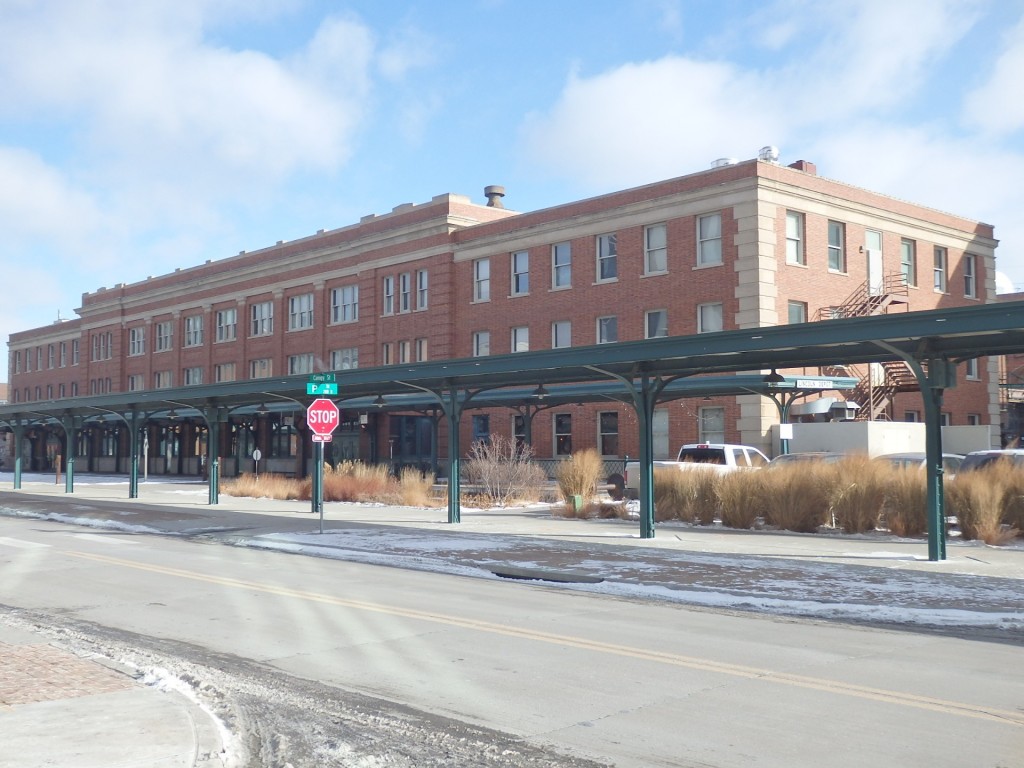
(306, 654)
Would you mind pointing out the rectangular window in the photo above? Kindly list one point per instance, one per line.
(261, 369)
(422, 282)
(389, 295)
(193, 331)
(519, 431)
(561, 265)
(945, 419)
(224, 372)
(75, 351)
(561, 334)
(300, 312)
(709, 239)
(405, 292)
(941, 262)
(164, 336)
(520, 273)
(971, 370)
(345, 359)
(192, 376)
(837, 246)
(17, 362)
(607, 257)
(709, 317)
(607, 329)
(162, 380)
(908, 261)
(563, 434)
(481, 343)
(974, 419)
(797, 312)
(912, 416)
(39, 358)
(63, 354)
(970, 276)
(227, 324)
(795, 238)
(482, 280)
(262, 316)
(136, 341)
(481, 429)
(655, 249)
(656, 323)
(299, 364)
(345, 304)
(387, 353)
(521, 339)
(608, 433)
(136, 382)
(404, 351)
(421, 350)
(712, 424)
(51, 356)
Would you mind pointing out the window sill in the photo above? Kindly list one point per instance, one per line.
(841, 272)
(796, 264)
(709, 266)
(606, 281)
(653, 274)
(555, 288)
(518, 295)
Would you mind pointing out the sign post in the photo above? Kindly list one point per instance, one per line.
(256, 456)
(322, 417)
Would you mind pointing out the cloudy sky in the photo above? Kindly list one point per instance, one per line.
(136, 137)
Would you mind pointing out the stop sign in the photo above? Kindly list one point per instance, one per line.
(322, 416)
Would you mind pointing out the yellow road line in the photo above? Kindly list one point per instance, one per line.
(705, 665)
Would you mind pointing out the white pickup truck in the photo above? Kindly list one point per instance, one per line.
(717, 457)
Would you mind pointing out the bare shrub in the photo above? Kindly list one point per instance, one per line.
(906, 503)
(504, 470)
(797, 497)
(741, 498)
(690, 495)
(858, 493)
(579, 475)
(976, 498)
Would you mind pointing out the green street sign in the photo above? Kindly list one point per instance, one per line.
(328, 388)
(321, 378)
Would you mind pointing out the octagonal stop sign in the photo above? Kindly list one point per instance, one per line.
(322, 416)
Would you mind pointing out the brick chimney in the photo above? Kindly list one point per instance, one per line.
(806, 166)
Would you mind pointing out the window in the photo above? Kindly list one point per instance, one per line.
(261, 369)
(607, 329)
(387, 354)
(102, 349)
(608, 433)
(262, 316)
(837, 246)
(797, 312)
(709, 317)
(561, 334)
(162, 380)
(482, 280)
(421, 350)
(561, 265)
(521, 339)
(908, 261)
(974, 419)
(192, 376)
(481, 343)
(795, 238)
(193, 330)
(481, 429)
(655, 249)
(607, 257)
(136, 382)
(563, 434)
(945, 419)
(75, 352)
(709, 239)
(712, 424)
(39, 359)
(136, 341)
(49, 391)
(970, 276)
(63, 354)
(300, 312)
(298, 364)
(519, 431)
(971, 369)
(345, 304)
(227, 324)
(941, 259)
(656, 323)
(51, 356)
(404, 351)
(224, 372)
(345, 359)
(405, 292)
(912, 417)
(61, 392)
(164, 336)
(520, 273)
(422, 281)
(389, 295)
(17, 361)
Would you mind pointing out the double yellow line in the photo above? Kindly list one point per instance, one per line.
(1007, 717)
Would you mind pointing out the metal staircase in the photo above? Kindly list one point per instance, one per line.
(870, 299)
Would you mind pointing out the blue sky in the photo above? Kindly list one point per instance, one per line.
(136, 137)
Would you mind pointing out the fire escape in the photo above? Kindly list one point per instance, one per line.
(879, 384)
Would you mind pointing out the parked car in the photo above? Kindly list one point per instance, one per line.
(951, 462)
(978, 459)
(716, 457)
(802, 457)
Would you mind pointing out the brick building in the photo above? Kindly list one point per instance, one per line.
(740, 245)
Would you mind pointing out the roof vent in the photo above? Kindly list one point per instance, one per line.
(724, 161)
(769, 154)
(494, 193)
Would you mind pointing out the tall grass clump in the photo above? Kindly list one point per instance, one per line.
(1013, 499)
(859, 486)
(579, 475)
(266, 486)
(504, 470)
(741, 498)
(415, 488)
(356, 481)
(906, 503)
(977, 499)
(797, 497)
(690, 496)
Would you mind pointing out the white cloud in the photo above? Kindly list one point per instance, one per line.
(997, 107)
